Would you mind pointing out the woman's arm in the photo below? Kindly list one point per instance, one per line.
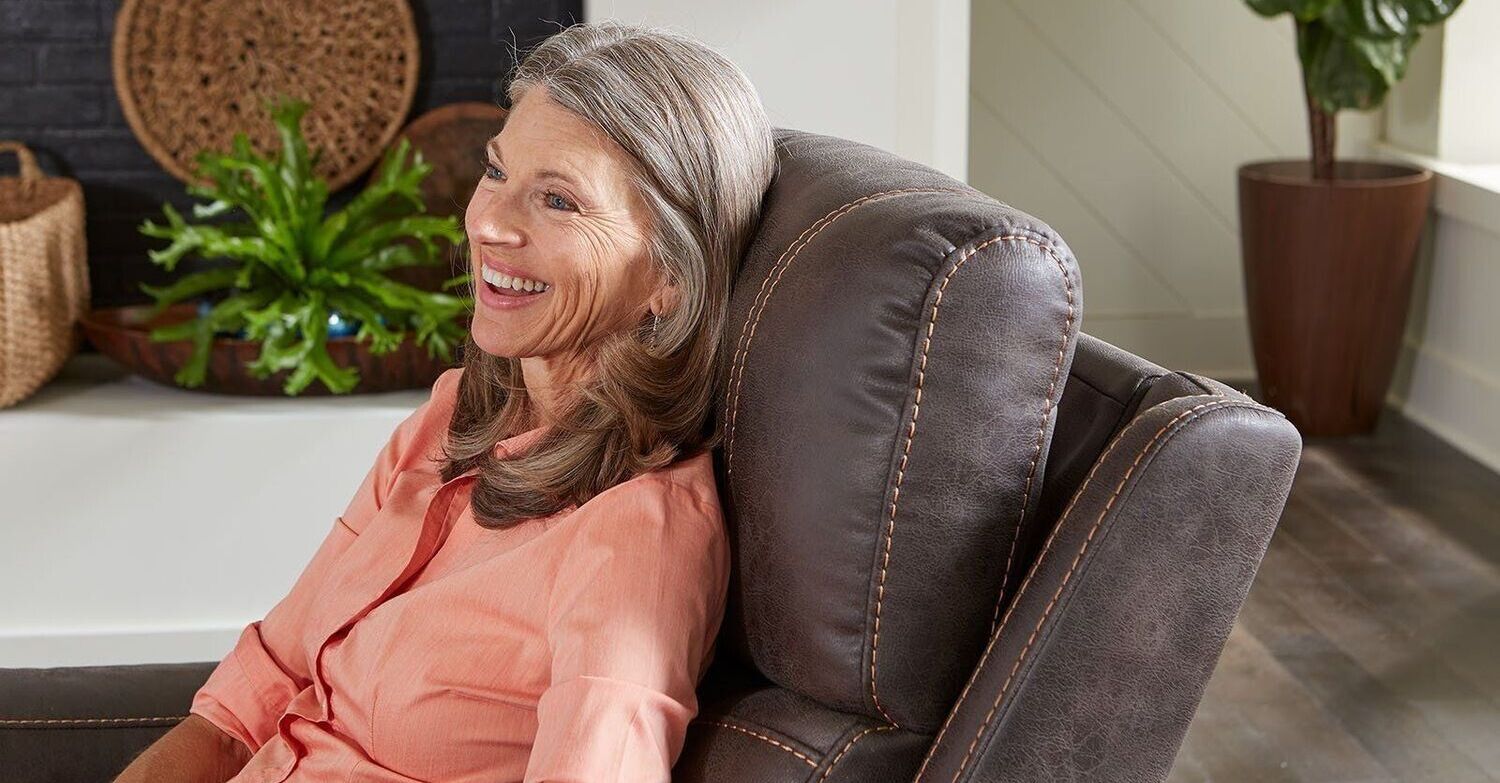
(194, 751)
(639, 598)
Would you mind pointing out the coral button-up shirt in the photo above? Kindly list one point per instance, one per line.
(420, 646)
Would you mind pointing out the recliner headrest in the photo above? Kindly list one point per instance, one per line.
(896, 348)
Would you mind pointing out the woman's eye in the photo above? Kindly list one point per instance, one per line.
(555, 200)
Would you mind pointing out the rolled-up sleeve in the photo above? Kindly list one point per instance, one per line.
(251, 687)
(638, 600)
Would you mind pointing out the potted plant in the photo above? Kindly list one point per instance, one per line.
(1329, 246)
(299, 282)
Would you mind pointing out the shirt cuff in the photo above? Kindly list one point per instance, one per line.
(595, 729)
(247, 692)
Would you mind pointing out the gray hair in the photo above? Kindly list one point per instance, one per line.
(704, 156)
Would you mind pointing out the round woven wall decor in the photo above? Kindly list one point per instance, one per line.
(192, 73)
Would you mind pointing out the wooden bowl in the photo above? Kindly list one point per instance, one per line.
(123, 334)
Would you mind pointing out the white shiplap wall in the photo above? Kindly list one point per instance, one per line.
(1121, 123)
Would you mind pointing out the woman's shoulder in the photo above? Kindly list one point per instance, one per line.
(681, 493)
(417, 437)
(445, 388)
(670, 515)
(693, 475)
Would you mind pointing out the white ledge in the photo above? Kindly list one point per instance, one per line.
(142, 523)
(1467, 191)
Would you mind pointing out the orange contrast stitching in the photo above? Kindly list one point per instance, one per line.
(52, 721)
(1036, 454)
(757, 308)
(1213, 400)
(787, 748)
(847, 746)
(912, 429)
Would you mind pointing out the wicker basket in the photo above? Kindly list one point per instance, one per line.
(44, 280)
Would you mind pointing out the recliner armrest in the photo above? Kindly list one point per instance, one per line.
(1103, 655)
(86, 723)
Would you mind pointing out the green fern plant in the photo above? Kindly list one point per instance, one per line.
(292, 266)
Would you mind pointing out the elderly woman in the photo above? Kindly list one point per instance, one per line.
(528, 583)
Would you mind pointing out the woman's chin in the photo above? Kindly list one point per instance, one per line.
(487, 340)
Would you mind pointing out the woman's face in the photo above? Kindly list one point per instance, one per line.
(553, 208)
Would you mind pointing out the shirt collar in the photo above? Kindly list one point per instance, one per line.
(518, 443)
(510, 447)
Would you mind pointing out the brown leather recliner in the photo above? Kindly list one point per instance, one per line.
(971, 543)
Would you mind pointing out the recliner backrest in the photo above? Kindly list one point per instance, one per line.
(896, 349)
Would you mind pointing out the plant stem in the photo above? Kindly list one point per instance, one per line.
(1324, 129)
(1322, 125)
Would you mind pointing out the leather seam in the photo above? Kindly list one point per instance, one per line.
(763, 299)
(1047, 408)
(783, 746)
(22, 722)
(847, 746)
(1174, 427)
(1213, 400)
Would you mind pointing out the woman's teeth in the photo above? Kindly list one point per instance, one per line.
(513, 283)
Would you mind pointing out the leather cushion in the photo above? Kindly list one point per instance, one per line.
(896, 348)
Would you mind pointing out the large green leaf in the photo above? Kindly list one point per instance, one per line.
(1350, 73)
(1354, 51)
(1387, 19)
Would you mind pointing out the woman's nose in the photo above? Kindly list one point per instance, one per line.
(494, 220)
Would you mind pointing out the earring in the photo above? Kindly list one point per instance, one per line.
(655, 319)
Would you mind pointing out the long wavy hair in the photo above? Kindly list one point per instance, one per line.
(704, 156)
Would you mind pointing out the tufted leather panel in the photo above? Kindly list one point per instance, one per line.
(897, 345)
(1106, 385)
(1102, 658)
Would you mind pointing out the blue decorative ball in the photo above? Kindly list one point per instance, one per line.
(339, 326)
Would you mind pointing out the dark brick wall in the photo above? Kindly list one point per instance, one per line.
(57, 96)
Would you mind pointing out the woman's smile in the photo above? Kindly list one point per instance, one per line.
(507, 288)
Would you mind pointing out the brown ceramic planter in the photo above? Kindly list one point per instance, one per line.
(1328, 273)
(123, 334)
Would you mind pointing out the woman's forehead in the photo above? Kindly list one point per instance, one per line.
(542, 138)
(545, 130)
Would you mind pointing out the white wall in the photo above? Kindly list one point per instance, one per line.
(1448, 373)
(1445, 105)
(1441, 117)
(1121, 124)
(890, 73)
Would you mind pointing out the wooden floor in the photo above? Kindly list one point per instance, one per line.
(1369, 648)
